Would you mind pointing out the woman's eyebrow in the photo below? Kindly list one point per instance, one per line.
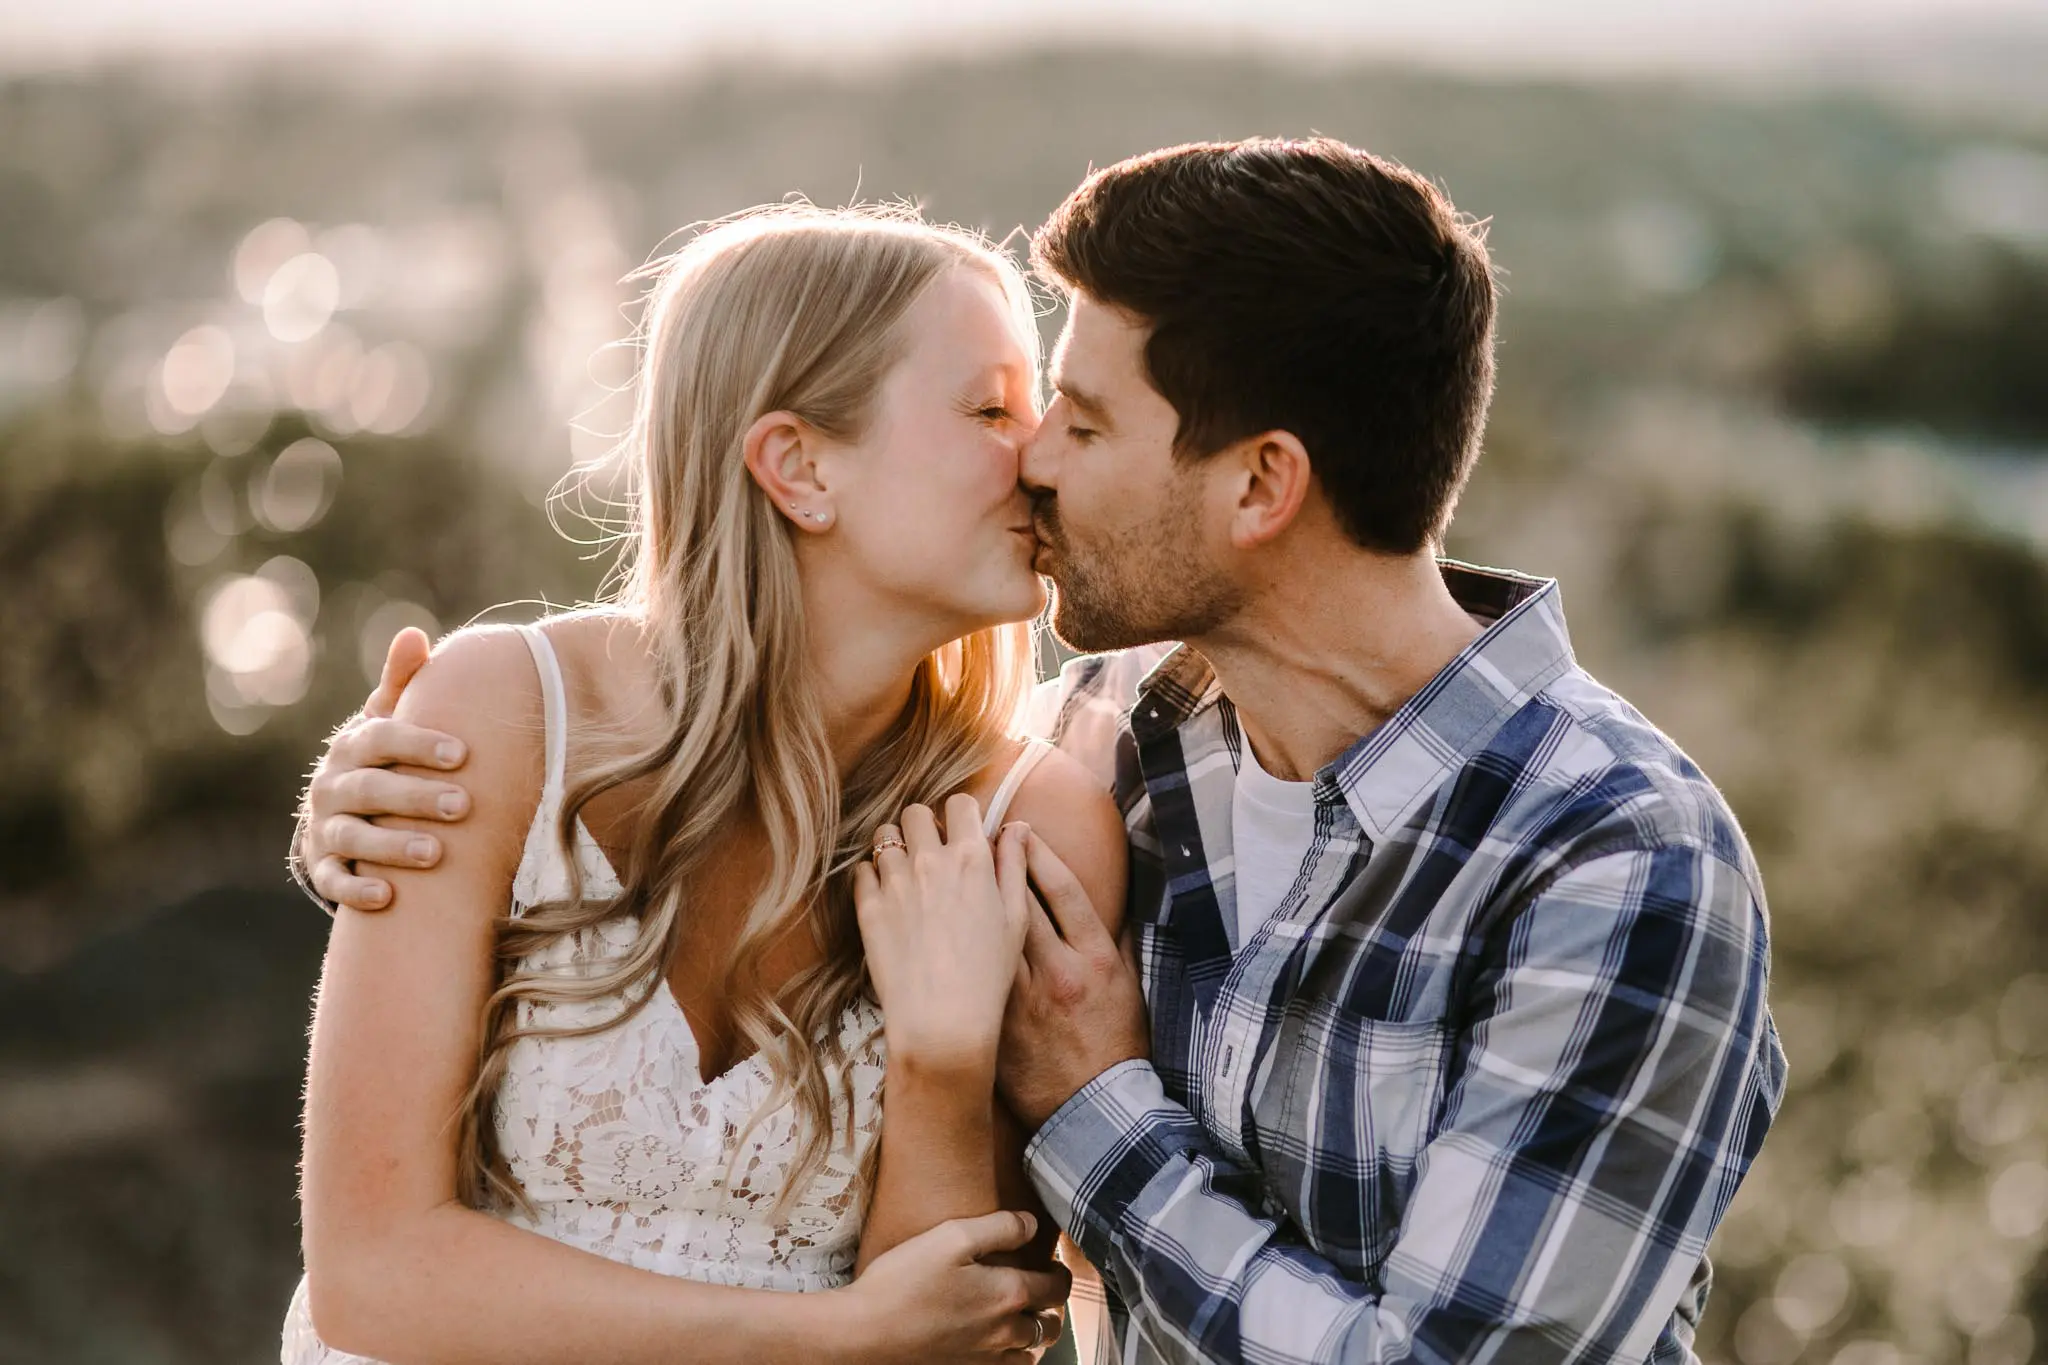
(998, 373)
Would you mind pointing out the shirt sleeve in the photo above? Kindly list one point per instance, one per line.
(1611, 1082)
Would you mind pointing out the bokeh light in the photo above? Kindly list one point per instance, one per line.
(301, 296)
(251, 631)
(295, 489)
(197, 371)
(262, 252)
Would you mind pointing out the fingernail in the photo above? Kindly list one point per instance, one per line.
(419, 850)
(377, 895)
(449, 752)
(452, 803)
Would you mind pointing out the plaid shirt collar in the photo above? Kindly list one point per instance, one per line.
(1383, 776)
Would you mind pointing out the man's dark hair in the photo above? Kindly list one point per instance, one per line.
(1303, 286)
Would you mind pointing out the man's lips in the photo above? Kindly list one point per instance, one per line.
(1041, 553)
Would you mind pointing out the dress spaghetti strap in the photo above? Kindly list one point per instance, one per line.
(554, 714)
(999, 804)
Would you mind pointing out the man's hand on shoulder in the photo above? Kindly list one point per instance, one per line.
(338, 849)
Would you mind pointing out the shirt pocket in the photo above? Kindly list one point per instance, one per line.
(1347, 1108)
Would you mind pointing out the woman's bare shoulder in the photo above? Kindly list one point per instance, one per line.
(477, 680)
(608, 664)
(480, 685)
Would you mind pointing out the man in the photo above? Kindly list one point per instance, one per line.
(1455, 966)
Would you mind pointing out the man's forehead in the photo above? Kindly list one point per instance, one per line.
(1099, 337)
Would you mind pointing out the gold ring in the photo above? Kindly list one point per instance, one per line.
(1037, 1331)
(890, 842)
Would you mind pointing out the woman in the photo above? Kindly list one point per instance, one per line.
(609, 1124)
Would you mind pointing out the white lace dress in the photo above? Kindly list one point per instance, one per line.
(621, 1144)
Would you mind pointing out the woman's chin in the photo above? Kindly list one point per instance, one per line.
(1021, 600)
(1034, 598)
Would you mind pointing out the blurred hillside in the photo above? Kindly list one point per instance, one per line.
(285, 365)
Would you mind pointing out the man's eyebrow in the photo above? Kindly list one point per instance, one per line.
(1081, 398)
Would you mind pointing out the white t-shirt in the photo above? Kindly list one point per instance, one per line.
(1273, 823)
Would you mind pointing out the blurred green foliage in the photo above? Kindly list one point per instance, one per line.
(1771, 410)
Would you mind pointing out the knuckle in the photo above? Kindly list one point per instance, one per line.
(339, 745)
(362, 739)
(369, 844)
(421, 798)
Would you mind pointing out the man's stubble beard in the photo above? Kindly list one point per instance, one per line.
(1154, 587)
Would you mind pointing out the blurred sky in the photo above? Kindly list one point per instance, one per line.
(1763, 37)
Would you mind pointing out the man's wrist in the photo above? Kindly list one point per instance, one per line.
(1039, 1111)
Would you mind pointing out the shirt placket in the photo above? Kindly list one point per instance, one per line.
(1239, 1059)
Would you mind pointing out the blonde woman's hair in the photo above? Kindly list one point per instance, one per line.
(786, 308)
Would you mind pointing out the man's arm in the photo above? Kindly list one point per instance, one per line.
(353, 783)
(1609, 1090)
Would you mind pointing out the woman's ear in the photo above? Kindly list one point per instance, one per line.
(781, 451)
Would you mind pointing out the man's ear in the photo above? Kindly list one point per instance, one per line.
(1273, 476)
(782, 453)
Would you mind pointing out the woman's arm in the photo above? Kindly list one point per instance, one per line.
(949, 1148)
(397, 1267)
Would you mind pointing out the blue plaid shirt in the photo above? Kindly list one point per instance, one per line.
(1482, 1087)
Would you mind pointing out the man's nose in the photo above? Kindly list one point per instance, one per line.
(1035, 462)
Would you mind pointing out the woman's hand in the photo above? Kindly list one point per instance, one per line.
(942, 920)
(932, 1298)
